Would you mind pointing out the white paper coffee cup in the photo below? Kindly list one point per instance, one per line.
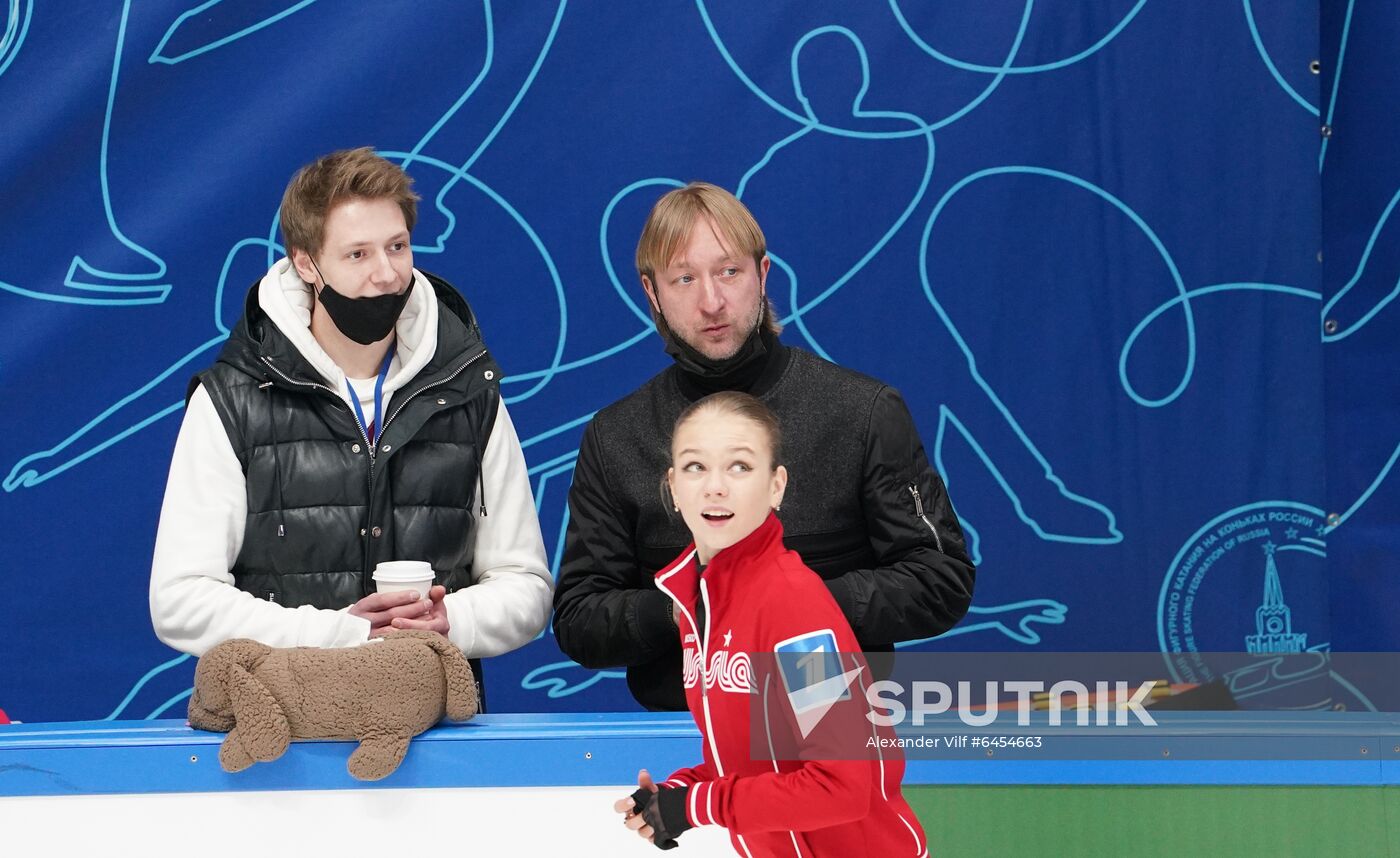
(394, 575)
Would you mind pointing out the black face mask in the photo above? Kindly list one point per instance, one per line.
(693, 361)
(364, 320)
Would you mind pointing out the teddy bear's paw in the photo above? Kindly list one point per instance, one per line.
(378, 756)
(233, 757)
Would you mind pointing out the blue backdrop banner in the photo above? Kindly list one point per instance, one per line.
(1131, 263)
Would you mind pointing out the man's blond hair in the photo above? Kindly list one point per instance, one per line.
(334, 178)
(676, 215)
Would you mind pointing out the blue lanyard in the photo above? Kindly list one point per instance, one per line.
(373, 430)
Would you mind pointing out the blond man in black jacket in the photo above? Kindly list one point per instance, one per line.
(865, 509)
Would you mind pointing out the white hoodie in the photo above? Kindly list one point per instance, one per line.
(194, 603)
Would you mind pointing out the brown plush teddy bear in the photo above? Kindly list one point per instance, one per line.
(382, 693)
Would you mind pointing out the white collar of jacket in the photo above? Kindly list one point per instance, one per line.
(287, 300)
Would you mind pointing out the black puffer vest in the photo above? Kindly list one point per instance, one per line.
(323, 511)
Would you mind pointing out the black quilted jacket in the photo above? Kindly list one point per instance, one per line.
(323, 511)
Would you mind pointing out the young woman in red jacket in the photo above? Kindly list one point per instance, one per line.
(773, 674)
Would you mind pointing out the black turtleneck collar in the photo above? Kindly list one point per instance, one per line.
(761, 362)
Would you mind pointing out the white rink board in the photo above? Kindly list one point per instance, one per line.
(482, 823)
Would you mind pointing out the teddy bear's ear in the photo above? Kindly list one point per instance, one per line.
(262, 731)
(462, 702)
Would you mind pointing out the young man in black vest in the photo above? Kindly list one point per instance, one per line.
(864, 508)
(353, 417)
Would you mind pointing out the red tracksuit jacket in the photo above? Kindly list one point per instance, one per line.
(758, 599)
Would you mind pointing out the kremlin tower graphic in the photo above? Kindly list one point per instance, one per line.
(1273, 622)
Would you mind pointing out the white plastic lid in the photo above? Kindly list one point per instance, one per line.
(398, 571)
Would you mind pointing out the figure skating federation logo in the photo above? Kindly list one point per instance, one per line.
(1252, 580)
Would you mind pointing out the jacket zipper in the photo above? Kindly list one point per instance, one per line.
(704, 686)
(317, 386)
(363, 434)
(919, 511)
(369, 494)
(430, 385)
(369, 478)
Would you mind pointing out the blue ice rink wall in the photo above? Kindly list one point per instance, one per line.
(1131, 262)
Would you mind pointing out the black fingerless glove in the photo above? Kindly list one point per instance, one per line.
(664, 811)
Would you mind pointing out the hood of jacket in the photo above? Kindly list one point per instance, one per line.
(273, 339)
